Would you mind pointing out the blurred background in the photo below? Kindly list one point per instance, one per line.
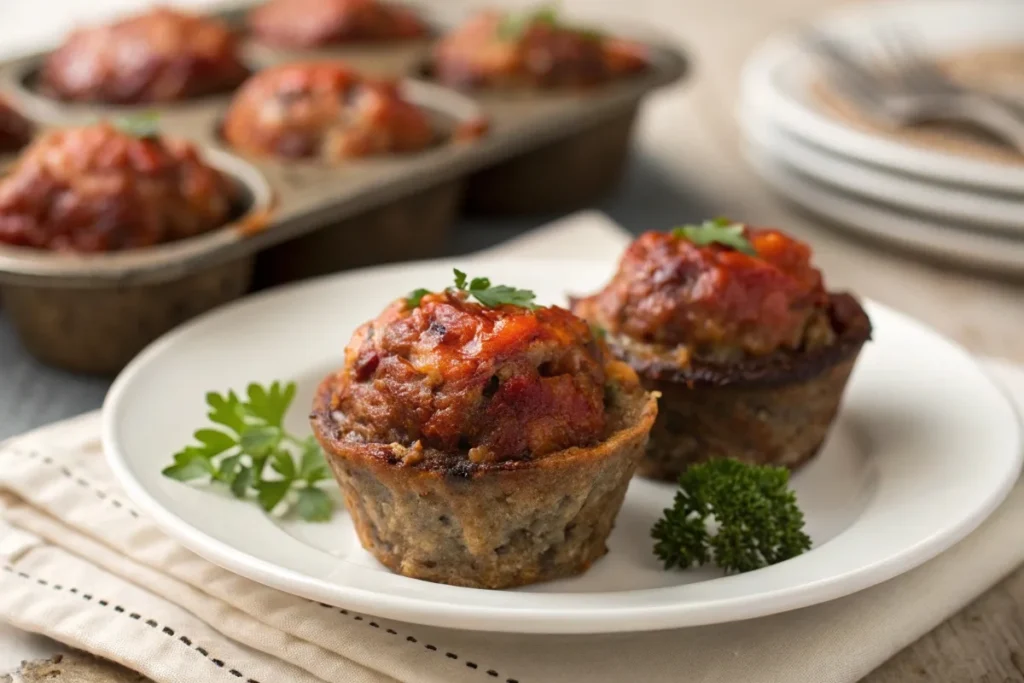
(889, 135)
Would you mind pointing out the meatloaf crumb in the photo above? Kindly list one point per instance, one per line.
(97, 188)
(313, 23)
(541, 53)
(323, 110)
(163, 55)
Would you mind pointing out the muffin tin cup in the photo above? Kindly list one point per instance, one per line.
(513, 152)
(569, 174)
(97, 330)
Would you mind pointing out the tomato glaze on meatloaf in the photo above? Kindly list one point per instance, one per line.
(314, 23)
(97, 188)
(163, 55)
(716, 302)
(541, 53)
(486, 384)
(323, 110)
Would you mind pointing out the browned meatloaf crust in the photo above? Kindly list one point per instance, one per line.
(482, 446)
(488, 525)
(15, 130)
(97, 188)
(775, 409)
(748, 349)
(312, 23)
(162, 56)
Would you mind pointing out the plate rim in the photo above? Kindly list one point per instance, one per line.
(758, 84)
(468, 616)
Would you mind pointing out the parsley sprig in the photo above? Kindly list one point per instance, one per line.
(143, 125)
(481, 289)
(514, 25)
(738, 516)
(255, 456)
(718, 231)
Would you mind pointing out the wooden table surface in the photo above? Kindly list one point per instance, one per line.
(689, 167)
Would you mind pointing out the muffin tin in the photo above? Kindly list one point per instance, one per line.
(540, 151)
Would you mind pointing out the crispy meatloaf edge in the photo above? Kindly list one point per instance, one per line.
(488, 525)
(775, 410)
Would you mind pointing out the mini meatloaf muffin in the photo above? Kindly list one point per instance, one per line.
(483, 447)
(97, 189)
(318, 23)
(15, 130)
(323, 110)
(749, 351)
(161, 56)
(494, 50)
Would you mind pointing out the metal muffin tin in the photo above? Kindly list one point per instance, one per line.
(542, 150)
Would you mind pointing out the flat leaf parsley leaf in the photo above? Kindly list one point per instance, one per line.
(142, 125)
(481, 289)
(719, 231)
(741, 517)
(251, 436)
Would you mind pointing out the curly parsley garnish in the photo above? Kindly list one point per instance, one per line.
(741, 517)
(143, 125)
(252, 439)
(514, 25)
(481, 289)
(719, 231)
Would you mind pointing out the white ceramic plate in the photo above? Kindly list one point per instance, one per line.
(970, 208)
(925, 448)
(932, 238)
(778, 76)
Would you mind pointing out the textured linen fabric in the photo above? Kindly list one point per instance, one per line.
(82, 566)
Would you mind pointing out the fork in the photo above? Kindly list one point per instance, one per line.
(912, 89)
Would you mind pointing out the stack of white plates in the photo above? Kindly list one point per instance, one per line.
(966, 209)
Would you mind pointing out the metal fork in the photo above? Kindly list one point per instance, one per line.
(911, 89)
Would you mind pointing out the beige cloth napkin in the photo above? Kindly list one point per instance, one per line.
(81, 565)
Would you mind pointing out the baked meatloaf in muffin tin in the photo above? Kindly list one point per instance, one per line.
(163, 55)
(326, 111)
(478, 446)
(98, 188)
(747, 348)
(319, 23)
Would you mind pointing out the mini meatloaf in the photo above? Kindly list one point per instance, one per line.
(494, 50)
(323, 110)
(98, 189)
(318, 23)
(749, 351)
(161, 56)
(15, 130)
(483, 447)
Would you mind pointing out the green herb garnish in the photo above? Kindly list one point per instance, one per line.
(738, 516)
(143, 125)
(415, 297)
(251, 439)
(480, 288)
(719, 231)
(514, 25)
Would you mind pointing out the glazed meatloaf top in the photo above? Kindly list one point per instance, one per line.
(535, 50)
(312, 23)
(470, 382)
(712, 300)
(323, 110)
(161, 56)
(98, 188)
